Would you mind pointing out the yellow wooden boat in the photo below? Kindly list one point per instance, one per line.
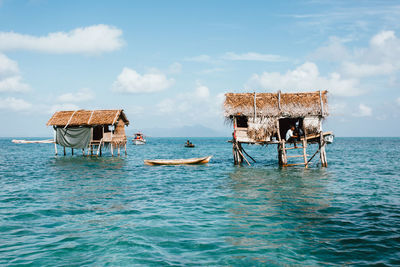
(202, 160)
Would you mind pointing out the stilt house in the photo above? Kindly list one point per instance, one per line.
(90, 129)
(265, 118)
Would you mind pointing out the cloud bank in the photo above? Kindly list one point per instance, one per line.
(129, 81)
(14, 104)
(304, 78)
(84, 94)
(94, 39)
(10, 78)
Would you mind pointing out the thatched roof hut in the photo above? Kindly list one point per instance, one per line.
(258, 116)
(87, 117)
(88, 128)
(278, 118)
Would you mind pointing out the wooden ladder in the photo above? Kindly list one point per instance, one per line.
(304, 155)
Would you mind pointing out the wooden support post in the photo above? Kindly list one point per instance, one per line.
(91, 150)
(244, 151)
(284, 152)
(100, 151)
(83, 151)
(240, 155)
(280, 156)
(281, 145)
(305, 152)
(240, 150)
(64, 151)
(125, 150)
(119, 150)
(112, 151)
(322, 152)
(234, 153)
(72, 151)
(55, 149)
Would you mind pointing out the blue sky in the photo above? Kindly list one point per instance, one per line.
(168, 63)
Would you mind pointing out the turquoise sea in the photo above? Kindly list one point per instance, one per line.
(115, 211)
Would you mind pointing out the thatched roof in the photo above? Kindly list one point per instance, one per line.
(87, 117)
(277, 104)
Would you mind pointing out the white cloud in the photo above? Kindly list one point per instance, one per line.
(202, 91)
(66, 106)
(362, 70)
(304, 78)
(10, 78)
(129, 81)
(363, 111)
(333, 51)
(94, 39)
(85, 94)
(188, 102)
(251, 56)
(197, 106)
(14, 104)
(175, 68)
(382, 38)
(8, 67)
(380, 58)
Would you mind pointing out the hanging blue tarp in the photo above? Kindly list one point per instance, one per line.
(74, 137)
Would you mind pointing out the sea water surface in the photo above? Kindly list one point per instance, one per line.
(77, 210)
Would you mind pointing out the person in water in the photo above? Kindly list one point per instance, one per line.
(290, 135)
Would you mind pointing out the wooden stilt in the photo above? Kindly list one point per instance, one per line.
(305, 153)
(100, 151)
(284, 155)
(91, 150)
(234, 153)
(119, 150)
(322, 152)
(244, 151)
(65, 153)
(280, 156)
(241, 154)
(112, 151)
(281, 151)
(125, 150)
(72, 151)
(55, 149)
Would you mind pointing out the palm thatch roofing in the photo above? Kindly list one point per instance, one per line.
(87, 117)
(277, 104)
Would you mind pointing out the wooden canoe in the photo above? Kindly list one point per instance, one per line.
(177, 161)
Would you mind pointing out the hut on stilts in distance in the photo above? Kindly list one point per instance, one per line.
(90, 129)
(265, 118)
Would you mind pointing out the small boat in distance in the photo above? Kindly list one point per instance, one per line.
(138, 139)
(188, 144)
(202, 160)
